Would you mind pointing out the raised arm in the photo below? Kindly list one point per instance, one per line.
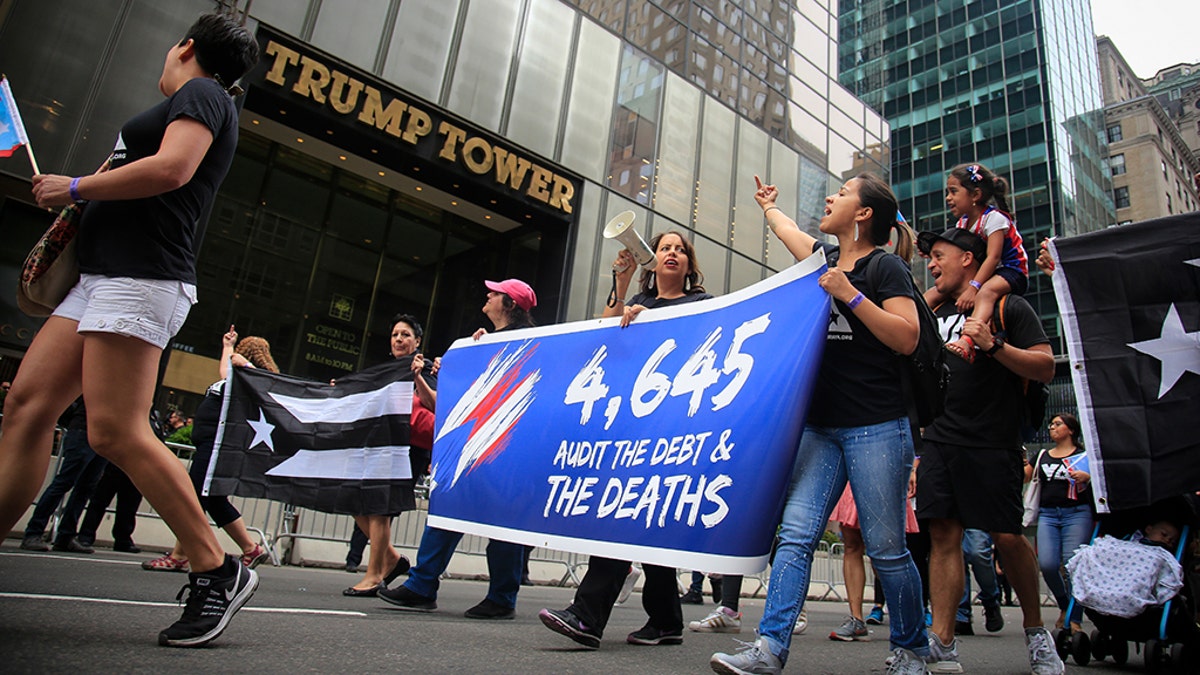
(798, 242)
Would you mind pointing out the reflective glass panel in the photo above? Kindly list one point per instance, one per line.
(635, 125)
(351, 30)
(713, 185)
(749, 227)
(484, 58)
(589, 115)
(675, 185)
(541, 76)
(416, 59)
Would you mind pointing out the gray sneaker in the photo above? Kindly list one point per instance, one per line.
(943, 658)
(1043, 657)
(752, 659)
(904, 662)
(851, 629)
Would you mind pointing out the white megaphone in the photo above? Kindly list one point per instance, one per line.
(621, 229)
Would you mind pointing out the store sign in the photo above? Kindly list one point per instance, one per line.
(293, 68)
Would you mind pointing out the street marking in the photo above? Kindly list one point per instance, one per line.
(143, 603)
(76, 558)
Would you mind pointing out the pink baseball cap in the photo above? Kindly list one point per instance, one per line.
(518, 290)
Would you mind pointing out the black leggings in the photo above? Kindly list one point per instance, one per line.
(204, 431)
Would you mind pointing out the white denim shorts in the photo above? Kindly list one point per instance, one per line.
(152, 310)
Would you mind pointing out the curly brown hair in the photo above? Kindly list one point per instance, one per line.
(257, 350)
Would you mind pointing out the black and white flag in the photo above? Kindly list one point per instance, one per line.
(1130, 303)
(336, 448)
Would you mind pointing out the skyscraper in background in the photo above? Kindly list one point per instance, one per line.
(1012, 84)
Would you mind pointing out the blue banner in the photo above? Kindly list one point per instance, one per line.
(670, 441)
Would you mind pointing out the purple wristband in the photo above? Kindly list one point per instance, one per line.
(74, 190)
(975, 284)
(856, 301)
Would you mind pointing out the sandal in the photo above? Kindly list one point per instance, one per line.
(166, 563)
(255, 557)
(963, 347)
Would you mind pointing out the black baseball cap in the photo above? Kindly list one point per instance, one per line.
(964, 239)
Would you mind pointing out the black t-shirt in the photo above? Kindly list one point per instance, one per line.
(985, 399)
(650, 301)
(858, 383)
(1052, 474)
(154, 237)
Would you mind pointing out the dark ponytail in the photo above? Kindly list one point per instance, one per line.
(874, 193)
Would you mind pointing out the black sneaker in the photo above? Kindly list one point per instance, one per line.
(127, 547)
(403, 598)
(993, 620)
(564, 622)
(963, 628)
(651, 635)
(34, 543)
(72, 545)
(212, 601)
(692, 598)
(490, 610)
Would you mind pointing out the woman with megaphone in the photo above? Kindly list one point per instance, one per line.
(674, 279)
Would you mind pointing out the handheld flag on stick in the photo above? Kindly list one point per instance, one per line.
(12, 129)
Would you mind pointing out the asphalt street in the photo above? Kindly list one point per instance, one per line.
(101, 614)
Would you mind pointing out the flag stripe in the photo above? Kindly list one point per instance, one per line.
(394, 399)
(386, 463)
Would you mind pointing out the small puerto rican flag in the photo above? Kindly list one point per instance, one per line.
(12, 129)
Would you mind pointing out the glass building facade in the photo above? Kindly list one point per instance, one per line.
(396, 153)
(1012, 84)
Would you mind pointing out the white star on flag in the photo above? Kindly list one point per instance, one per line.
(3, 128)
(262, 431)
(1177, 350)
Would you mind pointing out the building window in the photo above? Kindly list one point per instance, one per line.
(1121, 197)
(1163, 162)
(1170, 209)
(1114, 133)
(1117, 164)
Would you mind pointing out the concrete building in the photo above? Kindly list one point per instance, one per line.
(1178, 90)
(396, 153)
(1151, 163)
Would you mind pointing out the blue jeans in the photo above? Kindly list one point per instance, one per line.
(79, 473)
(1060, 531)
(505, 562)
(877, 460)
(977, 557)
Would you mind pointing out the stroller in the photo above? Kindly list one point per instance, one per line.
(1166, 633)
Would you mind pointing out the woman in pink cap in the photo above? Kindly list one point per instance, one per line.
(508, 304)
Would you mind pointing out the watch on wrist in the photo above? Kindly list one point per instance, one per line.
(997, 345)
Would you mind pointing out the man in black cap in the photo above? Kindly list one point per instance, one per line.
(971, 466)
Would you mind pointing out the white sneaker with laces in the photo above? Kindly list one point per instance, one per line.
(943, 658)
(722, 620)
(801, 623)
(753, 658)
(1043, 657)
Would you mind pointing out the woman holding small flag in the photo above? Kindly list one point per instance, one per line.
(1064, 519)
(137, 261)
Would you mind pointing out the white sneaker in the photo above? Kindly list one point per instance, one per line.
(801, 623)
(1043, 657)
(722, 620)
(631, 580)
(751, 659)
(943, 658)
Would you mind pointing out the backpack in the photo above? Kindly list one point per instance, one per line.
(925, 376)
(1036, 394)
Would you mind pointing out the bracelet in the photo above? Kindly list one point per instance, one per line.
(74, 190)
(769, 208)
(975, 284)
(856, 300)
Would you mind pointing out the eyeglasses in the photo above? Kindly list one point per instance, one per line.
(1056, 423)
